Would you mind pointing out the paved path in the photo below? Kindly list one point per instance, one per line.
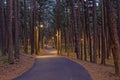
(53, 67)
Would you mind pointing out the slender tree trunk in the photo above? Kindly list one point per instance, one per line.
(16, 30)
(85, 25)
(58, 27)
(32, 26)
(103, 34)
(65, 38)
(95, 33)
(89, 32)
(114, 36)
(10, 42)
(118, 19)
(3, 30)
(77, 43)
(25, 28)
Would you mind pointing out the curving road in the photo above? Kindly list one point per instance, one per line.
(52, 67)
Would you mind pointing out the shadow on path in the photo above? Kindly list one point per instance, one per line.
(53, 67)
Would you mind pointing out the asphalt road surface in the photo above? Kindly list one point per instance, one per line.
(53, 67)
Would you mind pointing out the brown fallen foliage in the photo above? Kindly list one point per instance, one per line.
(10, 71)
(98, 72)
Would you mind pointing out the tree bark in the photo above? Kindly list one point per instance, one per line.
(32, 26)
(114, 36)
(10, 42)
(58, 27)
(25, 27)
(77, 43)
(3, 30)
(118, 19)
(103, 34)
(16, 30)
(94, 31)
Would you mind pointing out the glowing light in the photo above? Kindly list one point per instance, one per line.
(82, 39)
(36, 28)
(41, 26)
(47, 56)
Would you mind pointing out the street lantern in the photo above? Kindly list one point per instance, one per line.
(36, 27)
(41, 26)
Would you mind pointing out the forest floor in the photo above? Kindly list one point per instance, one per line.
(10, 71)
(97, 71)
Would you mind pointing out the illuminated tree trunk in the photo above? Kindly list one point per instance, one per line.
(65, 38)
(85, 25)
(58, 28)
(36, 40)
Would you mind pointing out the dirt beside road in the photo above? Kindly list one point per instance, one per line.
(10, 71)
(97, 71)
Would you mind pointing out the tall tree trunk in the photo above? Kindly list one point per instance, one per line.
(114, 36)
(85, 25)
(25, 28)
(118, 19)
(65, 38)
(16, 30)
(88, 30)
(58, 27)
(32, 26)
(77, 43)
(10, 42)
(3, 30)
(103, 34)
(94, 31)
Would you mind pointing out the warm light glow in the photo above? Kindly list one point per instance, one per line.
(36, 28)
(47, 56)
(41, 26)
(82, 39)
(57, 33)
(52, 37)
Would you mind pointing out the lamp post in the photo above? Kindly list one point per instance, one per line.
(40, 26)
(37, 38)
(58, 35)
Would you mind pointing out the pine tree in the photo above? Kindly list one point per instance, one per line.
(10, 34)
